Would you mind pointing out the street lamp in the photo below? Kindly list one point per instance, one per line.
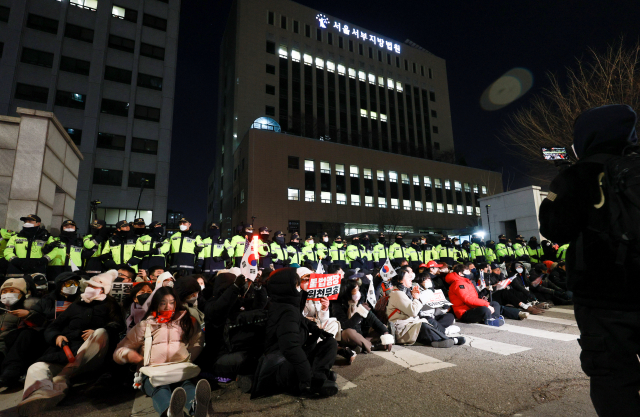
(489, 220)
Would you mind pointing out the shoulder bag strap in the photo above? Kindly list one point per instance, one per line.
(148, 342)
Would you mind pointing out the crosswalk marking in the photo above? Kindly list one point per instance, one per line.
(344, 384)
(535, 332)
(561, 310)
(553, 320)
(413, 360)
(493, 346)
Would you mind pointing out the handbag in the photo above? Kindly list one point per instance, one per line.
(165, 373)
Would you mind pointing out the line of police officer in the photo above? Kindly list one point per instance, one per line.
(33, 249)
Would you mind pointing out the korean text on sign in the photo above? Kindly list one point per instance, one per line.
(323, 285)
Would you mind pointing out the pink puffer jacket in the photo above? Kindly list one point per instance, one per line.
(167, 345)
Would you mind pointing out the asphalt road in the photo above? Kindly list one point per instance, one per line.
(525, 368)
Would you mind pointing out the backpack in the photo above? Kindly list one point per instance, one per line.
(380, 309)
(620, 184)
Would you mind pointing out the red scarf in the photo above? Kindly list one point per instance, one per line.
(163, 317)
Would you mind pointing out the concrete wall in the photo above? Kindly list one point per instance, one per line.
(521, 205)
(39, 165)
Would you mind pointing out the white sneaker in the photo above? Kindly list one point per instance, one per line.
(523, 315)
(452, 330)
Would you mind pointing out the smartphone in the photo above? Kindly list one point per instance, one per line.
(554, 154)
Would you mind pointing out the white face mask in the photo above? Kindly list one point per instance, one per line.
(69, 229)
(310, 241)
(184, 227)
(356, 297)
(519, 270)
(202, 287)
(9, 299)
(91, 293)
(423, 241)
(192, 300)
(28, 225)
(325, 239)
(70, 290)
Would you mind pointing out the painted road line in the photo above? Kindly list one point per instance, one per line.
(561, 310)
(343, 384)
(500, 348)
(413, 360)
(142, 406)
(553, 320)
(535, 332)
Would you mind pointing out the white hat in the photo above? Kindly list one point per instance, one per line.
(303, 271)
(104, 280)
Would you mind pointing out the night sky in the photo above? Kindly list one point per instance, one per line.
(480, 41)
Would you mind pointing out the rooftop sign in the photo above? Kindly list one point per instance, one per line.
(325, 23)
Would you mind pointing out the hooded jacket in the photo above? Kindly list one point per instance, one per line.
(569, 211)
(45, 310)
(10, 323)
(463, 294)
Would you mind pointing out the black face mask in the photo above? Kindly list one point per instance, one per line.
(381, 240)
(503, 240)
(280, 240)
(338, 242)
(94, 231)
(29, 231)
(356, 242)
(68, 234)
(214, 233)
(124, 233)
(264, 237)
(399, 241)
(158, 231)
(139, 231)
(365, 242)
(142, 298)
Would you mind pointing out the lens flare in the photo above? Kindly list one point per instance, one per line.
(508, 88)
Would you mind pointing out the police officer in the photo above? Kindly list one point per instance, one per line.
(152, 248)
(356, 253)
(398, 250)
(490, 253)
(561, 255)
(264, 248)
(413, 254)
(69, 251)
(427, 251)
(310, 252)
(185, 246)
(443, 242)
(94, 242)
(322, 248)
(27, 251)
(536, 253)
(279, 251)
(368, 260)
(381, 251)
(238, 243)
(479, 252)
(295, 250)
(464, 251)
(338, 252)
(5, 235)
(447, 253)
(215, 251)
(504, 252)
(119, 248)
(139, 227)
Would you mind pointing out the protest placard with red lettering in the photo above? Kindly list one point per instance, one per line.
(323, 285)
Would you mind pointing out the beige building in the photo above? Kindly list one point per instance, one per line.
(338, 88)
(39, 165)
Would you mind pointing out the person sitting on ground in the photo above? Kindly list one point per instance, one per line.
(559, 274)
(438, 278)
(188, 290)
(15, 312)
(206, 291)
(438, 312)
(175, 338)
(505, 296)
(469, 307)
(403, 311)
(126, 274)
(522, 285)
(29, 344)
(134, 303)
(354, 316)
(87, 327)
(294, 361)
(544, 289)
(318, 311)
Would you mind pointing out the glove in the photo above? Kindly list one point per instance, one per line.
(217, 259)
(240, 281)
(325, 335)
(286, 262)
(359, 259)
(278, 262)
(17, 262)
(198, 249)
(327, 259)
(48, 248)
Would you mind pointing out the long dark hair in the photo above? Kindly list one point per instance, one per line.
(186, 322)
(346, 287)
(397, 279)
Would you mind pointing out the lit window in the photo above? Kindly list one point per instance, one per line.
(460, 209)
(352, 73)
(294, 194)
(341, 199)
(406, 204)
(380, 175)
(457, 185)
(325, 167)
(467, 189)
(418, 205)
(469, 211)
(341, 69)
(429, 206)
(382, 202)
(394, 203)
(319, 63)
(325, 197)
(310, 196)
(368, 201)
(362, 76)
(484, 189)
(374, 115)
(283, 52)
(88, 4)
(390, 83)
(440, 208)
(438, 183)
(478, 211)
(393, 176)
(405, 178)
(353, 171)
(381, 81)
(309, 165)
(383, 117)
(427, 181)
(363, 112)
(367, 173)
(241, 196)
(449, 208)
(355, 200)
(372, 79)
(339, 169)
(447, 184)
(331, 67)
(399, 86)
(295, 56)
(118, 11)
(308, 60)
(475, 188)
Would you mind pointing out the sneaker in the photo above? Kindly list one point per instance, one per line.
(544, 305)
(39, 401)
(459, 340)
(203, 398)
(329, 389)
(357, 350)
(523, 315)
(446, 343)
(453, 329)
(178, 400)
(244, 382)
(348, 354)
(332, 376)
(534, 310)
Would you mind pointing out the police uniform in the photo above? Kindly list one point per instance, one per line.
(446, 252)
(380, 251)
(561, 255)
(413, 253)
(503, 252)
(295, 250)
(238, 243)
(427, 252)
(215, 251)
(279, 250)
(310, 252)
(27, 251)
(398, 250)
(151, 249)
(5, 235)
(69, 251)
(185, 246)
(264, 248)
(119, 248)
(535, 251)
(139, 227)
(356, 254)
(338, 253)
(94, 243)
(323, 250)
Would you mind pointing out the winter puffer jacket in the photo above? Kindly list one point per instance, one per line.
(167, 345)
(9, 322)
(45, 310)
(463, 294)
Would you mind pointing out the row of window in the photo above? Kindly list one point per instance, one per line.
(77, 101)
(373, 53)
(117, 142)
(83, 34)
(103, 176)
(132, 16)
(79, 66)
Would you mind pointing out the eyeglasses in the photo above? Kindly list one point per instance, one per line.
(70, 283)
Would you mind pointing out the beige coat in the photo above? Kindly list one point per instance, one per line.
(167, 345)
(406, 319)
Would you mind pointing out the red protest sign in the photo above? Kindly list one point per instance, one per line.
(323, 285)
